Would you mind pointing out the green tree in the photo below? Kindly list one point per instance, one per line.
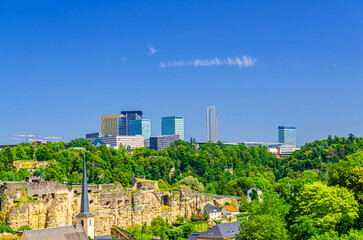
(159, 227)
(321, 207)
(187, 230)
(193, 183)
(262, 227)
(205, 215)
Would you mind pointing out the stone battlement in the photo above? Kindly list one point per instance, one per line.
(44, 187)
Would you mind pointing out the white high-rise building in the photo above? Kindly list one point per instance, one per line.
(212, 128)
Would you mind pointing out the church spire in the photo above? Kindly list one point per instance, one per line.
(84, 200)
(85, 218)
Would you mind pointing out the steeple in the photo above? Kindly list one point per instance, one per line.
(85, 218)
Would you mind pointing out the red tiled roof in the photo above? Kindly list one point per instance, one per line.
(231, 208)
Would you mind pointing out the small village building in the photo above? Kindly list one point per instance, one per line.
(251, 191)
(229, 210)
(214, 213)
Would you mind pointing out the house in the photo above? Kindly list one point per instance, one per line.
(214, 213)
(229, 210)
(252, 191)
(219, 231)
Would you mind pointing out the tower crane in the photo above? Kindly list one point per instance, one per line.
(35, 138)
(54, 138)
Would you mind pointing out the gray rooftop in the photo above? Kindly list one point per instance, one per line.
(219, 231)
(211, 209)
(104, 237)
(57, 233)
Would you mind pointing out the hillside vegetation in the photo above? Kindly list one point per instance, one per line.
(316, 193)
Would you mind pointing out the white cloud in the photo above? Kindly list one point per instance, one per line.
(152, 49)
(245, 61)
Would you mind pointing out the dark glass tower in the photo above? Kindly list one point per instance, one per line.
(124, 121)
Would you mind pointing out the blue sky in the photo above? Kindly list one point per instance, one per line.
(64, 63)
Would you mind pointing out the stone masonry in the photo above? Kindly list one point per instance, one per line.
(49, 204)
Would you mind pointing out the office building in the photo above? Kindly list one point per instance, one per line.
(124, 121)
(212, 129)
(287, 134)
(129, 142)
(161, 142)
(173, 125)
(93, 136)
(110, 124)
(140, 127)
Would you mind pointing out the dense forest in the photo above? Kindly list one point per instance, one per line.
(316, 193)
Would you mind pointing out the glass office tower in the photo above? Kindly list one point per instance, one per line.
(287, 134)
(173, 125)
(140, 127)
(124, 121)
(212, 134)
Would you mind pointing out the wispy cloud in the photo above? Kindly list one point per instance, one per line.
(244, 61)
(152, 49)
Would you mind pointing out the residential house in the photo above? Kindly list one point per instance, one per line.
(254, 190)
(214, 213)
(229, 210)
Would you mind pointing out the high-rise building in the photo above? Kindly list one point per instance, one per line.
(212, 129)
(124, 121)
(140, 127)
(173, 125)
(287, 134)
(161, 142)
(110, 124)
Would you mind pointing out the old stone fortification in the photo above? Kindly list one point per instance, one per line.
(49, 204)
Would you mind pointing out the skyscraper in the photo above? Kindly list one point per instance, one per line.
(110, 124)
(140, 127)
(173, 125)
(287, 134)
(124, 121)
(212, 129)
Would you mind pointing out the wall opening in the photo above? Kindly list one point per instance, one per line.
(108, 203)
(127, 202)
(44, 196)
(165, 200)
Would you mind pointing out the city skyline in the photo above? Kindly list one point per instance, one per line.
(63, 65)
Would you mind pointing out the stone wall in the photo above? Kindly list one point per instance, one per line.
(49, 204)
